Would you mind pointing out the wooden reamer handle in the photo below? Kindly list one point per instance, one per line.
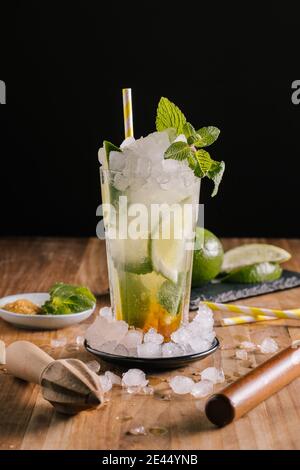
(256, 386)
(27, 361)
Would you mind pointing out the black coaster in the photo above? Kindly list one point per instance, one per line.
(155, 363)
(226, 292)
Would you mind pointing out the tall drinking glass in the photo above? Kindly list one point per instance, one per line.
(149, 231)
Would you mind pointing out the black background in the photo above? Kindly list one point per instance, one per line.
(65, 63)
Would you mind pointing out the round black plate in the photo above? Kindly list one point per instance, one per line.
(155, 363)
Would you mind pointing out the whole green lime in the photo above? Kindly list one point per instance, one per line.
(208, 258)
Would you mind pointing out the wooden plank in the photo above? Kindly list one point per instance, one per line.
(28, 422)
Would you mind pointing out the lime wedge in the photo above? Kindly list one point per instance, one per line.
(168, 254)
(253, 253)
(261, 272)
(135, 299)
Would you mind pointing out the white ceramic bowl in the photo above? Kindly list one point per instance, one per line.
(40, 322)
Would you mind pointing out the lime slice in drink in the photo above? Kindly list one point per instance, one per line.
(253, 253)
(135, 299)
(168, 246)
(131, 255)
(261, 272)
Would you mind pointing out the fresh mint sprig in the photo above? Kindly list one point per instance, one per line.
(199, 160)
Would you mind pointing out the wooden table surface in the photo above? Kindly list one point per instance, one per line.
(28, 422)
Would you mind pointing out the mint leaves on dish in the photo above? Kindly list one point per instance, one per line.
(199, 160)
(66, 299)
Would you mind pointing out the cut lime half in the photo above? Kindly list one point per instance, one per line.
(168, 246)
(253, 253)
(261, 272)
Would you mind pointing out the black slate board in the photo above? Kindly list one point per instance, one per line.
(224, 292)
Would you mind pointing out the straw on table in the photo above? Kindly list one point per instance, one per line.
(127, 111)
(255, 311)
(241, 319)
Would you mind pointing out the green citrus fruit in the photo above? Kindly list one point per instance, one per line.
(260, 272)
(208, 259)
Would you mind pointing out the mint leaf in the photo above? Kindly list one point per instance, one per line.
(169, 115)
(179, 151)
(216, 174)
(204, 161)
(208, 135)
(190, 133)
(109, 147)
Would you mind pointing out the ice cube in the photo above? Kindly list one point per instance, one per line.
(181, 384)
(181, 336)
(105, 383)
(114, 378)
(116, 161)
(268, 345)
(172, 350)
(132, 339)
(138, 431)
(79, 340)
(143, 167)
(104, 330)
(106, 312)
(241, 354)
(109, 347)
(149, 350)
(153, 337)
(120, 350)
(2, 353)
(121, 181)
(134, 380)
(213, 374)
(127, 142)
(204, 310)
(58, 343)
(94, 366)
(198, 345)
(248, 345)
(202, 389)
(101, 155)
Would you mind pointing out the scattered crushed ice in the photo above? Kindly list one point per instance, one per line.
(241, 354)
(181, 384)
(268, 346)
(79, 340)
(58, 343)
(134, 380)
(153, 337)
(121, 350)
(248, 345)
(109, 347)
(93, 366)
(132, 339)
(202, 389)
(104, 328)
(114, 378)
(105, 383)
(138, 431)
(213, 374)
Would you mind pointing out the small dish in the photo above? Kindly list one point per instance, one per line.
(156, 363)
(39, 322)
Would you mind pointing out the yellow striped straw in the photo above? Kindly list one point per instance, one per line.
(241, 319)
(255, 311)
(127, 111)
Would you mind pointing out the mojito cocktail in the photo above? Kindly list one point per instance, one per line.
(150, 194)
